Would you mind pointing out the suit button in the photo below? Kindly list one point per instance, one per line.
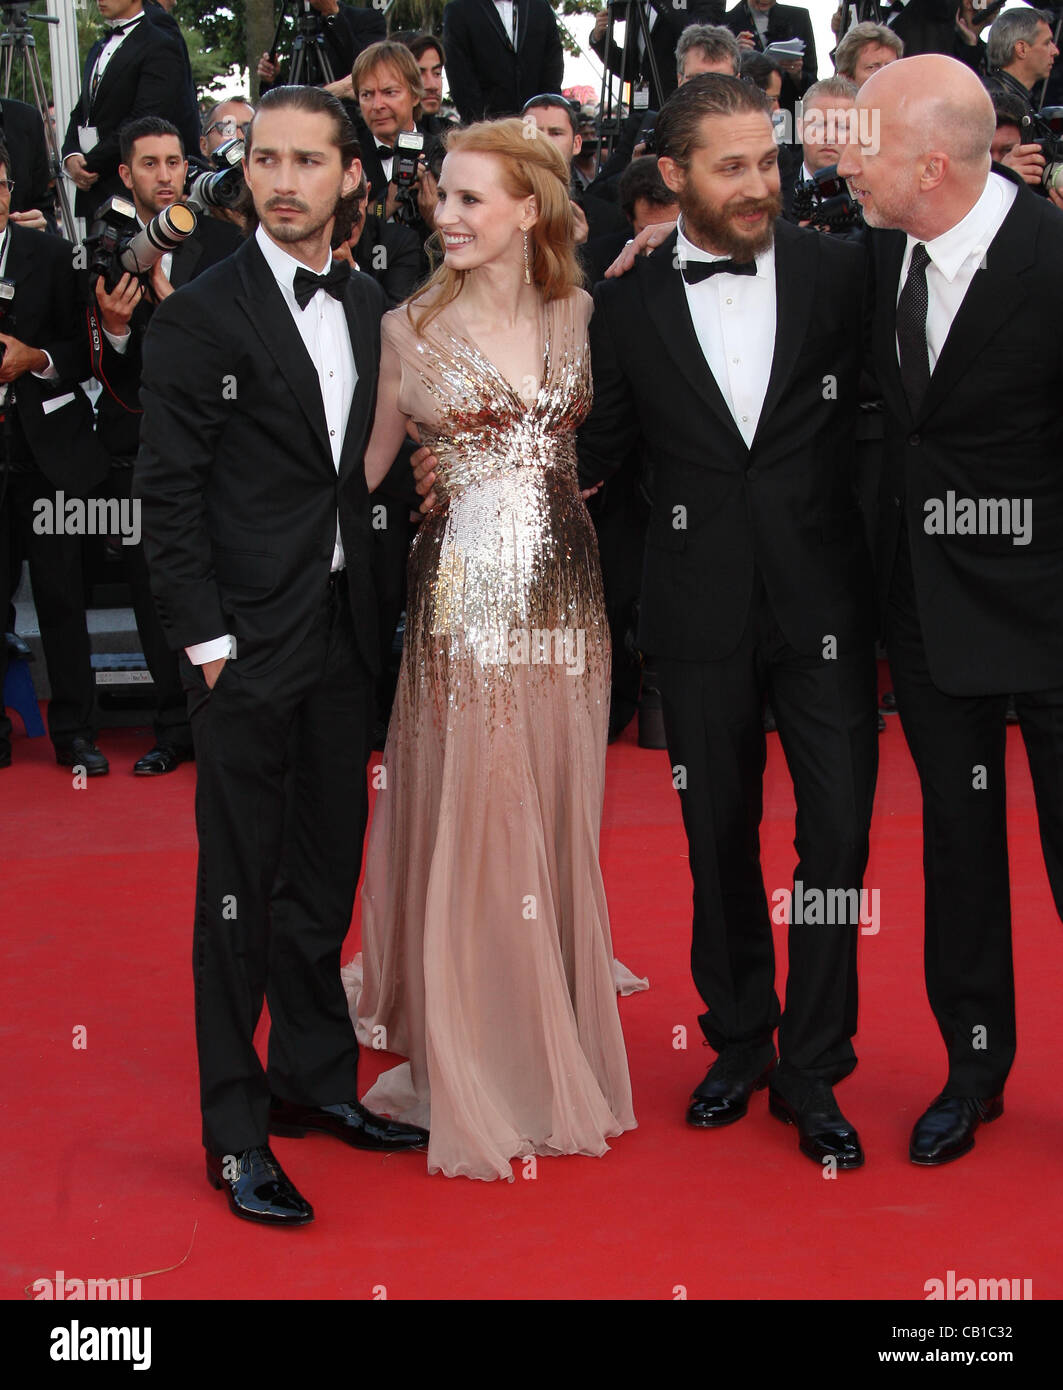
(914, 439)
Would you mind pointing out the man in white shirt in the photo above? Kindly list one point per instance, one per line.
(258, 391)
(967, 346)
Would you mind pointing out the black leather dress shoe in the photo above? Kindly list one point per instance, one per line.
(946, 1130)
(723, 1097)
(824, 1131)
(163, 758)
(258, 1188)
(352, 1123)
(82, 752)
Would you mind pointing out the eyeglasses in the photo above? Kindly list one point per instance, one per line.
(228, 126)
(7, 186)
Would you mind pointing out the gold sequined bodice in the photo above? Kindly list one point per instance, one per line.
(511, 546)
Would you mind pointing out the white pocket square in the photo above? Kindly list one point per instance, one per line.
(57, 402)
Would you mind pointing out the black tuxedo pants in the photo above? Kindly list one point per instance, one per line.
(958, 743)
(281, 808)
(826, 713)
(170, 721)
(55, 563)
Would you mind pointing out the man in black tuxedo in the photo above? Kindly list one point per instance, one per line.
(47, 447)
(731, 357)
(967, 343)
(153, 169)
(259, 386)
(500, 53)
(136, 71)
(667, 20)
(347, 31)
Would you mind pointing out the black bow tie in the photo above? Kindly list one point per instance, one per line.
(385, 152)
(306, 284)
(113, 30)
(696, 271)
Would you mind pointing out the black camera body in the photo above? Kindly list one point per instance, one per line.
(223, 185)
(824, 200)
(118, 245)
(1044, 128)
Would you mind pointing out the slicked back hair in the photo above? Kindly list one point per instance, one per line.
(678, 128)
(317, 101)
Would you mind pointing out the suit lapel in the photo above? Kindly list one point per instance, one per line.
(261, 300)
(796, 257)
(17, 265)
(86, 80)
(495, 20)
(666, 304)
(889, 254)
(992, 297)
(128, 52)
(362, 329)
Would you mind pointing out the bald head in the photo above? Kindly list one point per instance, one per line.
(934, 103)
(926, 125)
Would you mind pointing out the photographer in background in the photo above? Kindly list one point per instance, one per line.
(47, 446)
(431, 62)
(153, 170)
(826, 113)
(865, 48)
(1021, 52)
(553, 116)
(347, 31)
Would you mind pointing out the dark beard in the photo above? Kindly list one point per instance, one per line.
(713, 226)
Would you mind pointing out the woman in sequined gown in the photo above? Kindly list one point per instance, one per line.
(487, 958)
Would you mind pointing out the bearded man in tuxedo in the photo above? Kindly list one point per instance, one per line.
(258, 390)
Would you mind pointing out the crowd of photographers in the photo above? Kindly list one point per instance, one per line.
(161, 187)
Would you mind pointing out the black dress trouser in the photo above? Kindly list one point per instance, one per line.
(281, 809)
(826, 712)
(958, 743)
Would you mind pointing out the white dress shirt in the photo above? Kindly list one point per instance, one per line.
(734, 320)
(322, 326)
(955, 256)
(506, 13)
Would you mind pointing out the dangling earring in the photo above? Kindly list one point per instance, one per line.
(527, 258)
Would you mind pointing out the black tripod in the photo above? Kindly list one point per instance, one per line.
(636, 25)
(18, 52)
(310, 62)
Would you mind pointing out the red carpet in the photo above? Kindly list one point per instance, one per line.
(103, 1141)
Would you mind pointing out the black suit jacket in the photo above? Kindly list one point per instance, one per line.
(240, 494)
(487, 77)
(47, 312)
(929, 26)
(189, 122)
(991, 611)
(785, 507)
(784, 22)
(673, 16)
(146, 77)
(23, 134)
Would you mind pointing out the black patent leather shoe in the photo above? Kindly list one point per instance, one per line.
(82, 752)
(352, 1123)
(258, 1188)
(163, 758)
(723, 1097)
(824, 1131)
(946, 1130)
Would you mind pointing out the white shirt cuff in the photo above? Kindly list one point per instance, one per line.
(49, 373)
(202, 652)
(120, 343)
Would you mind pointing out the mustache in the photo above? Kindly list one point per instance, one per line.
(771, 205)
(286, 203)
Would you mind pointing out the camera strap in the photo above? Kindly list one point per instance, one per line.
(96, 341)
